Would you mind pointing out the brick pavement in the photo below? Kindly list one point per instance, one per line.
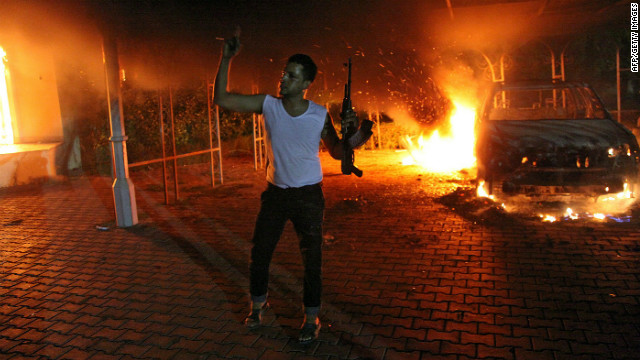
(406, 277)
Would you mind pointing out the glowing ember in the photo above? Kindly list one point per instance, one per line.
(6, 129)
(615, 203)
(548, 218)
(570, 214)
(624, 194)
(446, 153)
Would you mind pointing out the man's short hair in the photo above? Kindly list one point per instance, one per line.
(309, 68)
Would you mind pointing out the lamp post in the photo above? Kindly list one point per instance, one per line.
(123, 190)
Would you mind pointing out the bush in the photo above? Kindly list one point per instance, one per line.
(190, 118)
(141, 110)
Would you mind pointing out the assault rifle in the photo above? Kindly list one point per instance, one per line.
(352, 137)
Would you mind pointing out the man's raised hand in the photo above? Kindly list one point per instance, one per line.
(232, 45)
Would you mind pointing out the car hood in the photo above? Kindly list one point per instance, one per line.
(586, 135)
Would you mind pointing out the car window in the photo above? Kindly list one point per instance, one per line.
(593, 107)
(553, 103)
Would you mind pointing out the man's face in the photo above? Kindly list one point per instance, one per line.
(292, 81)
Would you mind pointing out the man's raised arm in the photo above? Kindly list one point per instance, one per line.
(222, 96)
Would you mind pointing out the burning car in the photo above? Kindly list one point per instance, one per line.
(551, 140)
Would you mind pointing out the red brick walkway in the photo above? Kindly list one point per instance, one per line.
(406, 277)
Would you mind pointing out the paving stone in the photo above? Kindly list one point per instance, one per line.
(405, 276)
(53, 351)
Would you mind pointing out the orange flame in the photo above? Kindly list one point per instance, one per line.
(6, 129)
(446, 153)
(481, 191)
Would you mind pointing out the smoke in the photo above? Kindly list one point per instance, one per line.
(483, 28)
(56, 30)
(171, 43)
(404, 119)
(405, 53)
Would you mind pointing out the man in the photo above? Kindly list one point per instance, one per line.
(294, 127)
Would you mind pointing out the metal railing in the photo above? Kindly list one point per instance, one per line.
(213, 118)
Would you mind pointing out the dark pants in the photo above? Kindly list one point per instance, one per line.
(304, 206)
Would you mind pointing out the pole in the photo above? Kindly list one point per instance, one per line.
(124, 196)
(378, 128)
(173, 141)
(219, 143)
(164, 150)
(211, 162)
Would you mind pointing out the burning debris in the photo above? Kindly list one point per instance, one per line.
(611, 207)
(486, 210)
(479, 210)
(574, 210)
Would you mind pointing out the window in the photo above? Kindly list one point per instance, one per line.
(545, 103)
(6, 127)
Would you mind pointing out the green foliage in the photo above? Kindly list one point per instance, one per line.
(142, 124)
(95, 144)
(233, 124)
(190, 121)
(141, 110)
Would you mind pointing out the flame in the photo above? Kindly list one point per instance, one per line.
(624, 194)
(482, 191)
(446, 153)
(609, 206)
(548, 218)
(6, 129)
(571, 215)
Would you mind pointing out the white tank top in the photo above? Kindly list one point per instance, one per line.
(293, 143)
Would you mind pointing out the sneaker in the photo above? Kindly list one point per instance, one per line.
(254, 319)
(309, 332)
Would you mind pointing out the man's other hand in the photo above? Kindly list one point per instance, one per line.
(350, 119)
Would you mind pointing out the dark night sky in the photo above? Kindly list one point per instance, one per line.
(182, 34)
(329, 31)
(397, 46)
